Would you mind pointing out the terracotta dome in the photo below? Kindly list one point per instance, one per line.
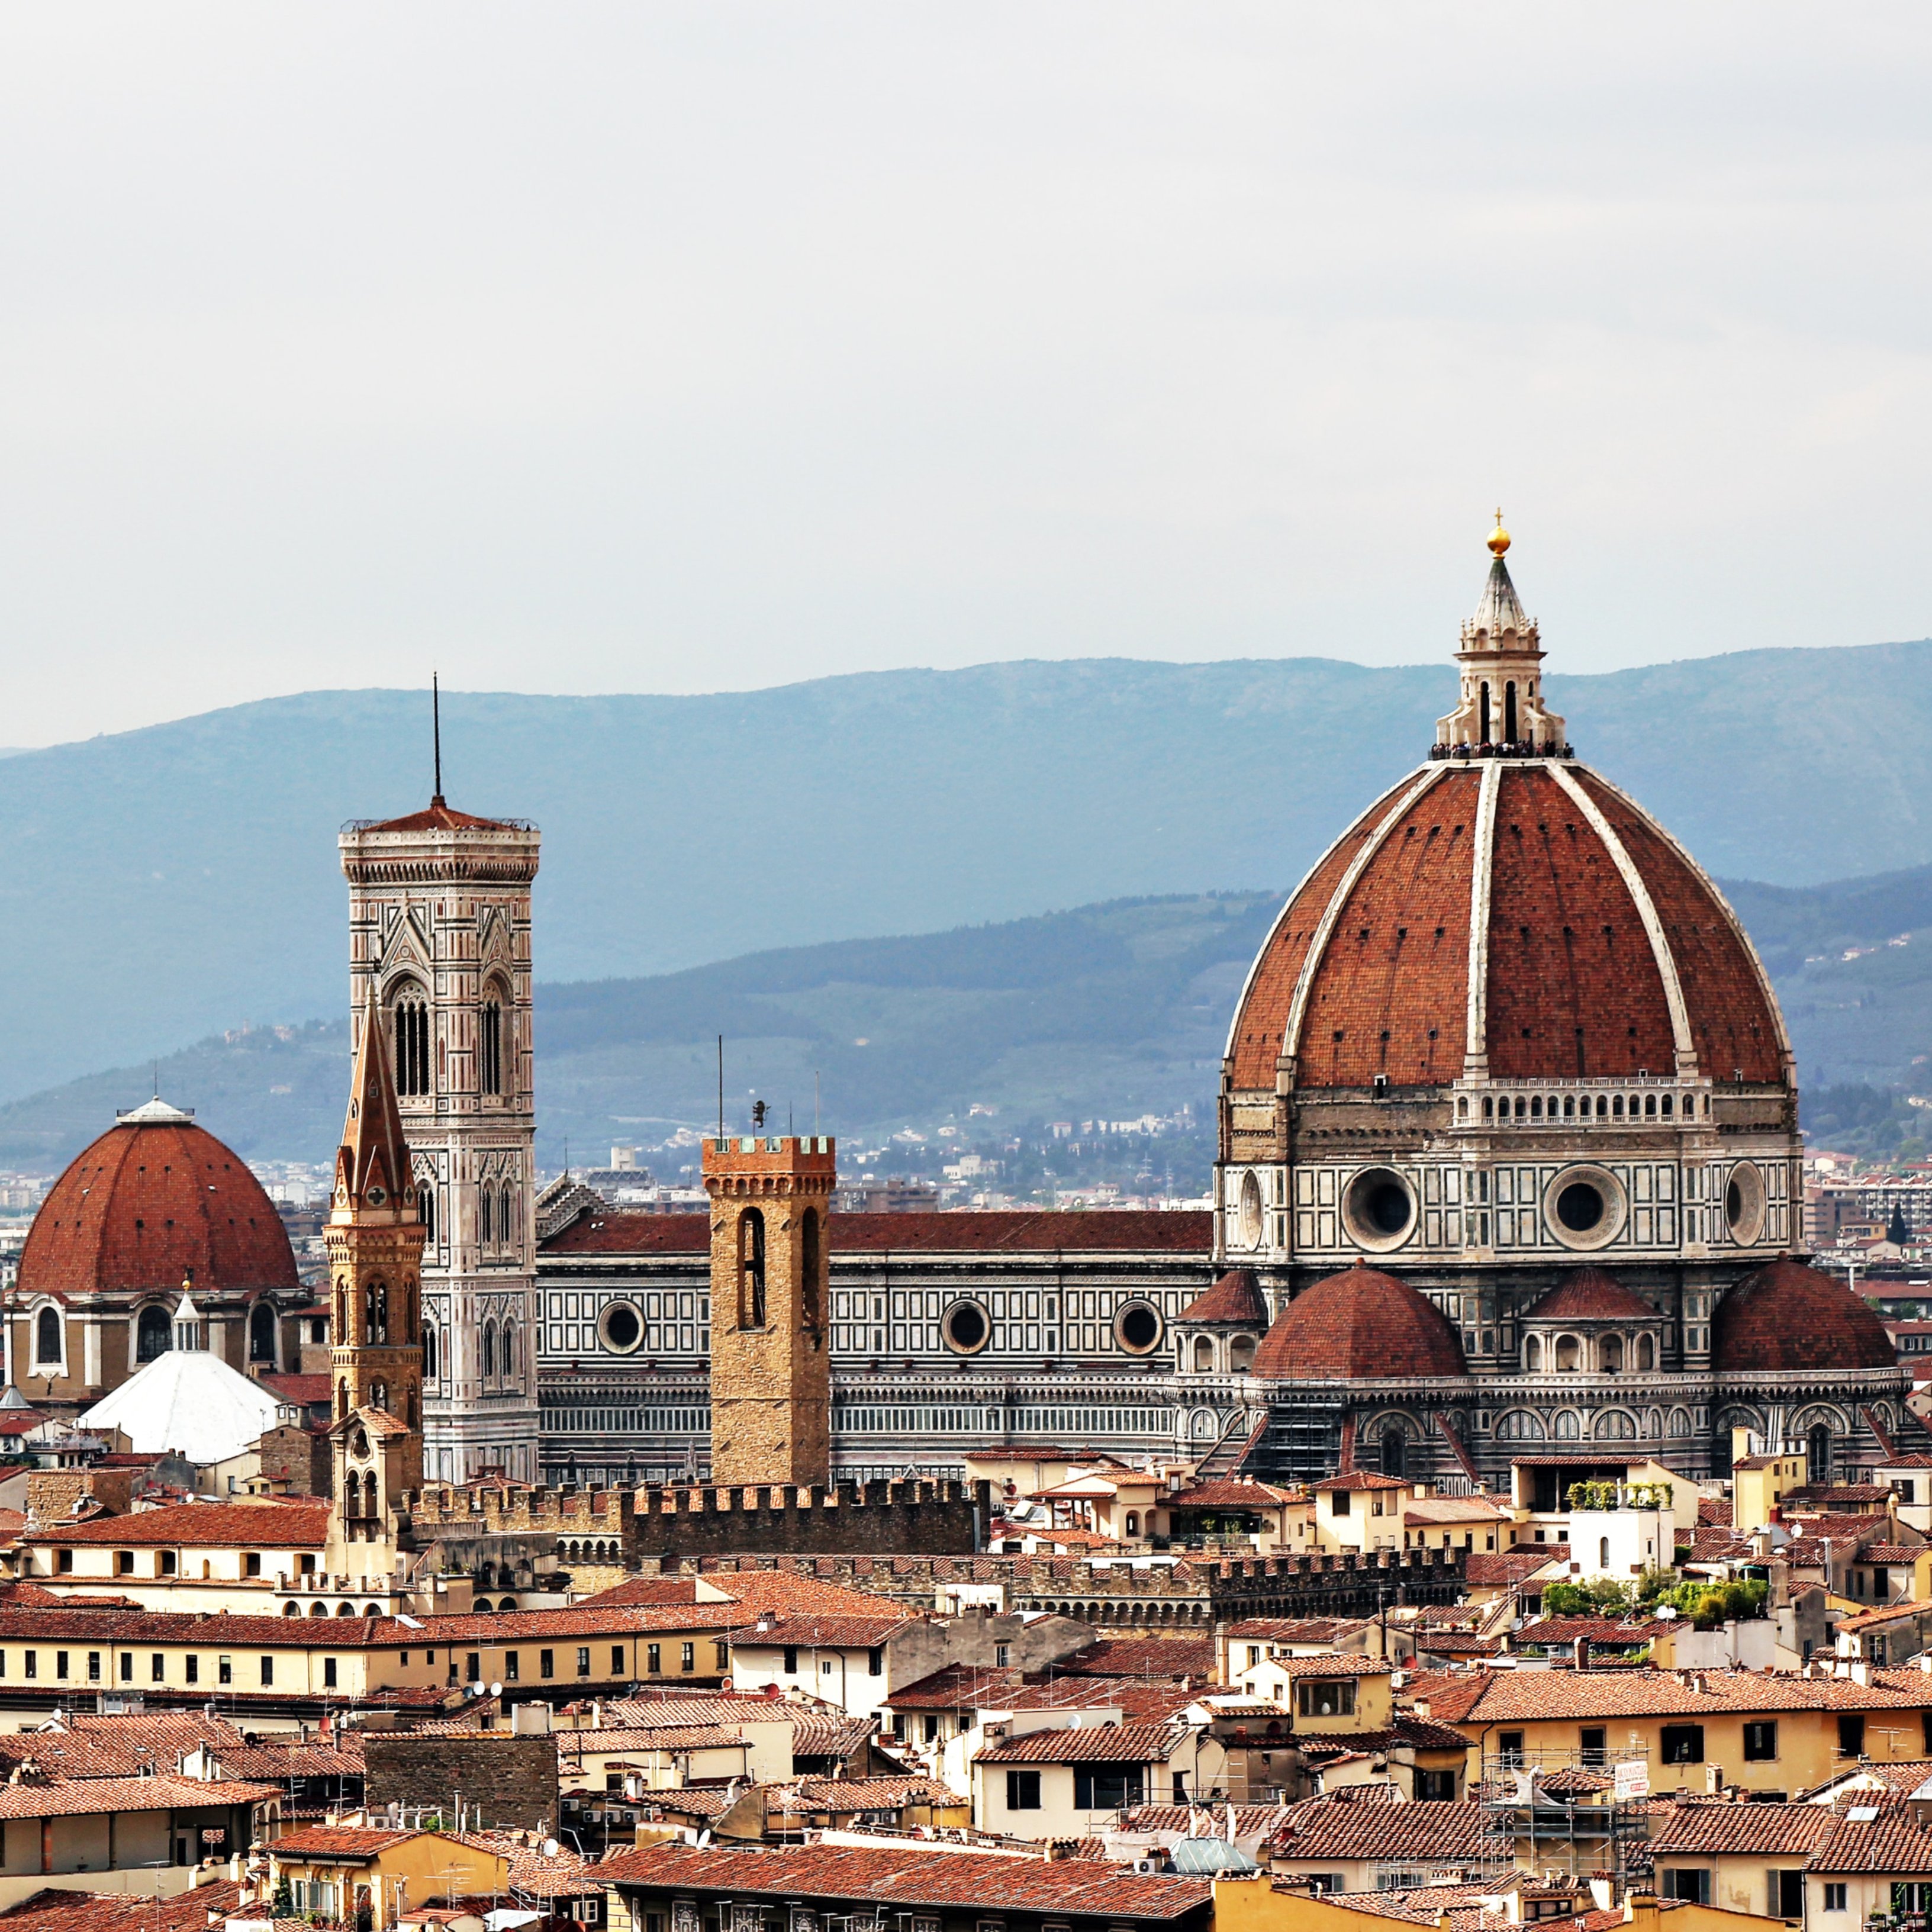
(153, 1199)
(1360, 1325)
(1589, 1295)
(1786, 1315)
(1601, 949)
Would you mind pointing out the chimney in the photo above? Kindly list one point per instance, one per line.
(1580, 1652)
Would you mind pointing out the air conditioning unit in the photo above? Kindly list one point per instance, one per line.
(1150, 1864)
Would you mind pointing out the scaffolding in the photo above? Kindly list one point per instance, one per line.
(1566, 1812)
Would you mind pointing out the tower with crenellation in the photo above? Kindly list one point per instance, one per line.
(771, 1382)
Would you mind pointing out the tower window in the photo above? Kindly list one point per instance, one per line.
(810, 1250)
(426, 1204)
(489, 1046)
(487, 1209)
(489, 1350)
(412, 1042)
(429, 1350)
(751, 1269)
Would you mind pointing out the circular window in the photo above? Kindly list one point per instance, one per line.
(620, 1328)
(966, 1328)
(1584, 1207)
(1745, 1203)
(1249, 1218)
(377, 1196)
(1580, 1207)
(1138, 1327)
(1378, 1209)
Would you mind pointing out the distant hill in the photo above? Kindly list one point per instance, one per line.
(164, 885)
(170, 883)
(1118, 1009)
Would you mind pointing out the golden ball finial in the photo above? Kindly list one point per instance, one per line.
(1499, 538)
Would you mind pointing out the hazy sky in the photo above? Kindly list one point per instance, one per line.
(672, 347)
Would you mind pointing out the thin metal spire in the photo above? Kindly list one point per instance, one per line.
(720, 1086)
(435, 733)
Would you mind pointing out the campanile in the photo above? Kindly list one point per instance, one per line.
(771, 1382)
(439, 936)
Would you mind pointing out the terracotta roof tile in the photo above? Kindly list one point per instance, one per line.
(1360, 1324)
(1693, 1828)
(62, 1911)
(1236, 1298)
(1014, 1231)
(964, 1880)
(1787, 1316)
(1089, 1743)
(269, 1524)
(1591, 1294)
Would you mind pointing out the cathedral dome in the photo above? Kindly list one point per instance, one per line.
(154, 1199)
(1360, 1325)
(1520, 916)
(1786, 1315)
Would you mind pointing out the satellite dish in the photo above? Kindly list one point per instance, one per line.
(495, 1690)
(550, 1848)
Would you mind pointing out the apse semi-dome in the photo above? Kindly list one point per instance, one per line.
(1789, 1316)
(1360, 1325)
(156, 1199)
(1522, 916)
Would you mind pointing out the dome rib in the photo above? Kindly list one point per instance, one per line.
(1684, 1052)
(1360, 1325)
(1728, 977)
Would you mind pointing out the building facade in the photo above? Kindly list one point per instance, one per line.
(1508, 1161)
(439, 941)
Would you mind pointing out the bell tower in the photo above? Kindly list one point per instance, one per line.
(771, 1385)
(439, 937)
(374, 1237)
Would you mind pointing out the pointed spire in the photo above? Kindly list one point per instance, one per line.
(435, 734)
(373, 1168)
(1499, 609)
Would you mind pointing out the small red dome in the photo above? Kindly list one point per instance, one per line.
(1786, 1315)
(153, 1197)
(1360, 1325)
(1589, 1295)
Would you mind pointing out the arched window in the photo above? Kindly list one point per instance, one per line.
(1646, 1354)
(341, 1312)
(506, 1351)
(430, 1351)
(489, 1350)
(341, 1399)
(411, 1041)
(369, 1494)
(1818, 1453)
(262, 1334)
(1614, 1425)
(1617, 1107)
(47, 1338)
(1204, 1355)
(751, 1269)
(152, 1334)
(1602, 1107)
(1509, 713)
(379, 1395)
(810, 1264)
(1610, 1355)
(1532, 1354)
(426, 1207)
(1568, 1355)
(1482, 716)
(414, 1418)
(1603, 1552)
(486, 1231)
(1394, 1453)
(1240, 1354)
(489, 1045)
(507, 1217)
(1565, 1428)
(1519, 1425)
(1133, 1523)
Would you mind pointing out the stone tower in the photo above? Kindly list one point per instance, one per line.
(439, 937)
(375, 1241)
(770, 1372)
